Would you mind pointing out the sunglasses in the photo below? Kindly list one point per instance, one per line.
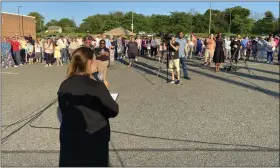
(102, 43)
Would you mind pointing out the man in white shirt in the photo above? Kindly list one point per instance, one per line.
(153, 47)
(227, 48)
(62, 43)
(97, 40)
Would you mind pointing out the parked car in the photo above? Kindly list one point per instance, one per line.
(52, 36)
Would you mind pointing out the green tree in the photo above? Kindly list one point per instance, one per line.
(39, 21)
(52, 23)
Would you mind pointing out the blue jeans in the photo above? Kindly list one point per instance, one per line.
(64, 55)
(16, 56)
(183, 62)
(270, 57)
(279, 55)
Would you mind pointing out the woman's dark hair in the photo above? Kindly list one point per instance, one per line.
(79, 61)
(101, 41)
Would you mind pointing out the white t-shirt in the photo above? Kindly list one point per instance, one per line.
(61, 43)
(80, 41)
(227, 44)
(97, 41)
(38, 48)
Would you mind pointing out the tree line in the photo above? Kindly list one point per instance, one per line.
(236, 20)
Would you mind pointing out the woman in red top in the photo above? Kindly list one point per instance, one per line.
(16, 51)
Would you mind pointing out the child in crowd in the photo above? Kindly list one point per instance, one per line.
(57, 55)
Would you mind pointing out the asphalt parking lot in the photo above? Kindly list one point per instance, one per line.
(214, 119)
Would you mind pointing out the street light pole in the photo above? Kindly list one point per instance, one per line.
(19, 20)
(210, 18)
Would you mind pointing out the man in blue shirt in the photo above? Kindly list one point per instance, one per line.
(182, 54)
(244, 43)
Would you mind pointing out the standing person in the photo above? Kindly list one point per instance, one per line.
(255, 48)
(132, 50)
(6, 55)
(182, 51)
(262, 44)
(30, 54)
(249, 49)
(38, 51)
(148, 45)
(16, 51)
(48, 48)
(57, 55)
(174, 61)
(144, 47)
(62, 43)
(103, 55)
(190, 48)
(219, 52)
(210, 48)
(120, 48)
(244, 43)
(86, 106)
(74, 44)
(235, 46)
(112, 50)
(23, 49)
(270, 50)
(139, 41)
(199, 47)
(154, 47)
(227, 48)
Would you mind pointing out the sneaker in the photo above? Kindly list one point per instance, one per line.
(188, 78)
(172, 82)
(135, 59)
(20, 64)
(178, 82)
(47, 66)
(15, 66)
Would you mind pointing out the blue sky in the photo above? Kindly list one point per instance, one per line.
(81, 10)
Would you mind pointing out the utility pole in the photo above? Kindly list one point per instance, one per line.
(19, 21)
(229, 28)
(210, 18)
(41, 28)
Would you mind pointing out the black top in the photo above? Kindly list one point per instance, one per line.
(233, 43)
(174, 54)
(86, 105)
(132, 47)
(99, 56)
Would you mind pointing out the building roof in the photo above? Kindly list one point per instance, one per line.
(54, 28)
(119, 31)
(17, 14)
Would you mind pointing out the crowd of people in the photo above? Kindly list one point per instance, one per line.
(17, 51)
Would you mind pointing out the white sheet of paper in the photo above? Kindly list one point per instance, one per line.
(114, 95)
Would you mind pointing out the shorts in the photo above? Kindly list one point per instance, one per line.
(174, 64)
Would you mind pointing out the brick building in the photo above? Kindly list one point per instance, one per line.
(17, 24)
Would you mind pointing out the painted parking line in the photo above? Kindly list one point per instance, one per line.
(10, 73)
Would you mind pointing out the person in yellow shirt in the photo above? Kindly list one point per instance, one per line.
(23, 47)
(57, 55)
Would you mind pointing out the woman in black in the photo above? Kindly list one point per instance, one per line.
(132, 50)
(86, 106)
(219, 56)
(235, 48)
